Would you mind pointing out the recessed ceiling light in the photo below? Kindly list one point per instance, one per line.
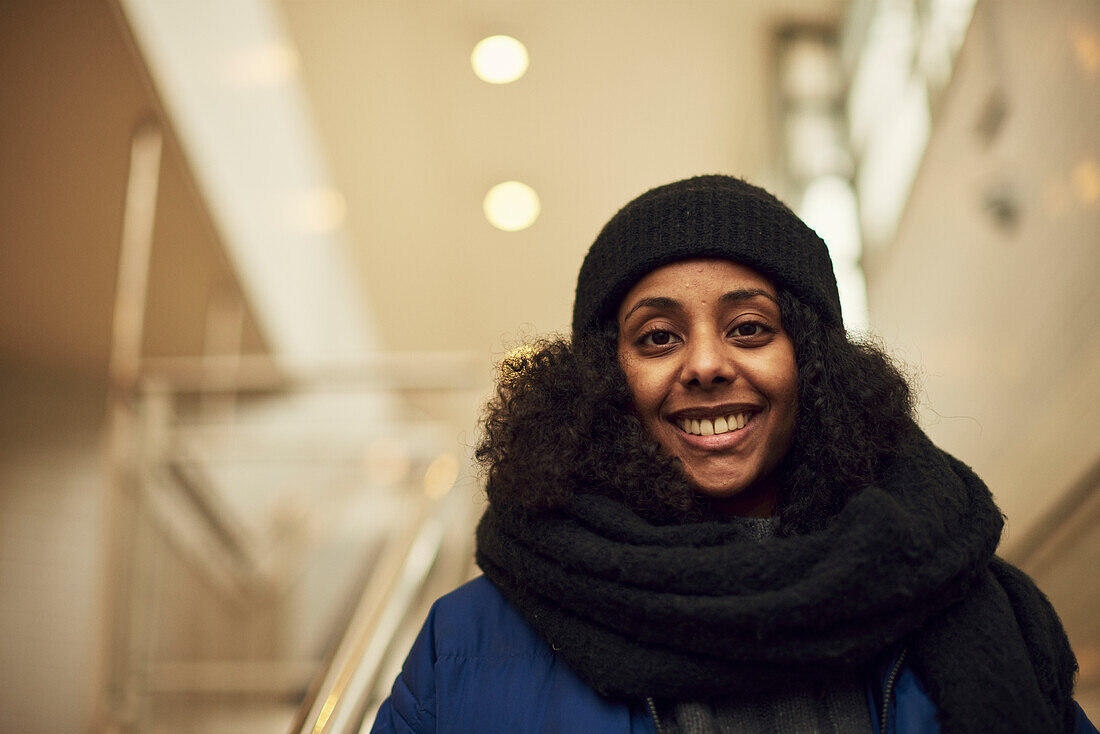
(511, 206)
(499, 59)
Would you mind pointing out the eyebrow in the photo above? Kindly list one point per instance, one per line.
(746, 294)
(664, 302)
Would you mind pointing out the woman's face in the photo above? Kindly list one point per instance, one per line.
(713, 376)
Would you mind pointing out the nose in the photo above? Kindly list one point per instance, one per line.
(706, 362)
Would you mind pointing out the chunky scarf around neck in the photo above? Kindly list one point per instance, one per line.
(702, 611)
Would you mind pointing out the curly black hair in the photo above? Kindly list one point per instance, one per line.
(562, 422)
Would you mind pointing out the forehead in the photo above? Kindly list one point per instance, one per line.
(703, 277)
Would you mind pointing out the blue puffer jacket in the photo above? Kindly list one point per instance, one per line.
(478, 667)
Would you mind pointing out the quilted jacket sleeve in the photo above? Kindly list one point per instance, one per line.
(478, 666)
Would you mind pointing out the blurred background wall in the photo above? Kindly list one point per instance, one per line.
(989, 287)
(73, 94)
(252, 300)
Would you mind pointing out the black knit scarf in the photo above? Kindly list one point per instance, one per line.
(702, 611)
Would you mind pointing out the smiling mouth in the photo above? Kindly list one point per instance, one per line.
(714, 426)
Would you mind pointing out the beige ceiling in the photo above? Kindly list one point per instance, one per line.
(73, 91)
(620, 96)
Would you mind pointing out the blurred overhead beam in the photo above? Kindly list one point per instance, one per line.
(228, 79)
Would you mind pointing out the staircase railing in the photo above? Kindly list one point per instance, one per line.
(340, 702)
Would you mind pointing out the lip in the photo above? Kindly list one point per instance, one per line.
(721, 442)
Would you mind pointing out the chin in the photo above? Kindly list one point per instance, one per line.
(747, 497)
(716, 490)
(717, 482)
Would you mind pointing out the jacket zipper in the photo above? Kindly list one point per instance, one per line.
(653, 712)
(888, 690)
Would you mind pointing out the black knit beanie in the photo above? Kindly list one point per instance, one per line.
(706, 216)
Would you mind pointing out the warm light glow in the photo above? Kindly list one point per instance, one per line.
(511, 206)
(263, 65)
(320, 209)
(1086, 47)
(499, 59)
(1086, 181)
(440, 476)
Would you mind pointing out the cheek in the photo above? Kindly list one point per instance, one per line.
(786, 396)
(646, 390)
(775, 376)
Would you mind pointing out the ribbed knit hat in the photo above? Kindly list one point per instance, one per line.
(706, 216)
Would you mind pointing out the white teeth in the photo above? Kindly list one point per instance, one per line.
(708, 427)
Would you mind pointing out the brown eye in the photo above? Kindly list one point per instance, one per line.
(657, 339)
(748, 329)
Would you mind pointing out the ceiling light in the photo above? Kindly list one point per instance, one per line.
(1086, 46)
(499, 59)
(511, 206)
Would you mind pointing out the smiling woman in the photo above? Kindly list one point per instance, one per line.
(711, 511)
(713, 379)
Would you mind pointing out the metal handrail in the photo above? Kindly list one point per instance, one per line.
(338, 704)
